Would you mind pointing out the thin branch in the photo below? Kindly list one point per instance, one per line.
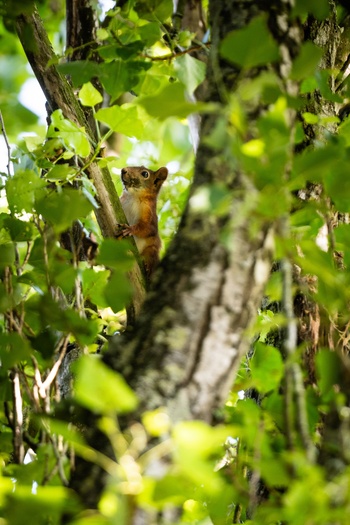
(3, 130)
(54, 370)
(176, 54)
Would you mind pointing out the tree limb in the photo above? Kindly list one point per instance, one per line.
(59, 94)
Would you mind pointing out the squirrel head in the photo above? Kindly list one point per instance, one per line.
(139, 178)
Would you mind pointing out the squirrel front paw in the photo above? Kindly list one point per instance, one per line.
(125, 231)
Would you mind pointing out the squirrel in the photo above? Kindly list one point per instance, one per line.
(139, 202)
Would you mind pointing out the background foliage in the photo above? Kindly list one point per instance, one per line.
(271, 458)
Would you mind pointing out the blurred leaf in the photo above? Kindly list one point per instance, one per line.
(337, 185)
(266, 367)
(7, 255)
(314, 164)
(19, 231)
(328, 368)
(252, 46)
(156, 422)
(306, 62)
(65, 320)
(190, 71)
(62, 208)
(150, 33)
(94, 284)
(61, 172)
(115, 254)
(319, 8)
(159, 10)
(13, 350)
(158, 105)
(43, 504)
(118, 292)
(100, 389)
(22, 189)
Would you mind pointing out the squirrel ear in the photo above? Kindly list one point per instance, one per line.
(162, 173)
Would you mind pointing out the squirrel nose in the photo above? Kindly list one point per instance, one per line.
(123, 172)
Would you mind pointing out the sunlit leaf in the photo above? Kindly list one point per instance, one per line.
(74, 137)
(22, 189)
(190, 71)
(122, 119)
(107, 392)
(89, 95)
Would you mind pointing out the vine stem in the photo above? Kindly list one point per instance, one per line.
(3, 130)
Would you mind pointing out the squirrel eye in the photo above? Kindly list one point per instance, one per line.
(145, 174)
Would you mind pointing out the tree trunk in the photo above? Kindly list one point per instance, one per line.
(185, 349)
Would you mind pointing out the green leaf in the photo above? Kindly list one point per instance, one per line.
(5, 299)
(319, 8)
(159, 10)
(62, 208)
(120, 76)
(100, 389)
(13, 350)
(66, 320)
(115, 254)
(19, 231)
(89, 95)
(7, 255)
(79, 71)
(306, 62)
(61, 172)
(22, 189)
(150, 33)
(169, 102)
(74, 137)
(337, 185)
(252, 46)
(312, 165)
(328, 368)
(190, 71)
(94, 284)
(266, 367)
(118, 292)
(123, 119)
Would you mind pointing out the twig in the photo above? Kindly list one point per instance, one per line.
(169, 56)
(2, 124)
(54, 370)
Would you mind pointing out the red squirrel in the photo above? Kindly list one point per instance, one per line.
(139, 202)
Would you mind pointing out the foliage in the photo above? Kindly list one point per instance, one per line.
(260, 460)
